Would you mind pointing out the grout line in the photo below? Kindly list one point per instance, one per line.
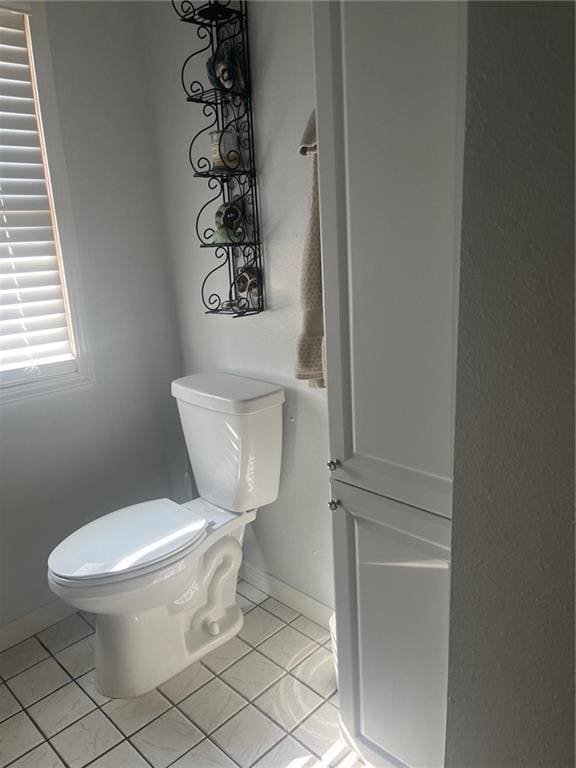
(110, 750)
(216, 676)
(288, 731)
(313, 650)
(206, 738)
(6, 680)
(270, 750)
(26, 753)
(284, 673)
(82, 619)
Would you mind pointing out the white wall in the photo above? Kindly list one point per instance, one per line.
(291, 539)
(68, 458)
(511, 673)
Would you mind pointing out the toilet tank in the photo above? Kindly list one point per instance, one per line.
(233, 432)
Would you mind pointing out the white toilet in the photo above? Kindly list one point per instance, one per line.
(159, 576)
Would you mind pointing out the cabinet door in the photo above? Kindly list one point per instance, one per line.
(392, 600)
(390, 107)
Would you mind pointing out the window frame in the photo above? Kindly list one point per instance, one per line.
(67, 374)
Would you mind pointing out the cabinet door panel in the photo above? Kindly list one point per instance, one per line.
(390, 108)
(392, 602)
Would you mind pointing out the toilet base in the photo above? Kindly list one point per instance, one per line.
(135, 654)
(138, 651)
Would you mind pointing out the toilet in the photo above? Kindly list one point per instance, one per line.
(160, 577)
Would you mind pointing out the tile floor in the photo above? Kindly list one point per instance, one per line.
(267, 698)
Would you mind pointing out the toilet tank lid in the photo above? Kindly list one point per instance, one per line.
(227, 393)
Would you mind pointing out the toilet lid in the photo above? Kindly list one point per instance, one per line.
(127, 540)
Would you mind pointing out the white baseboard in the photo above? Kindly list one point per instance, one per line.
(34, 622)
(291, 597)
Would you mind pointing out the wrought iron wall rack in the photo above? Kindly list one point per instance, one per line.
(229, 221)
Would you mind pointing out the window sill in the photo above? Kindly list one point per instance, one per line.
(43, 384)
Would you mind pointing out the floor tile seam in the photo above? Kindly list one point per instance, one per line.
(268, 751)
(140, 728)
(9, 648)
(188, 695)
(311, 639)
(221, 725)
(50, 656)
(206, 738)
(60, 755)
(134, 746)
(307, 685)
(261, 605)
(247, 654)
(250, 649)
(91, 631)
(305, 746)
(284, 673)
(115, 747)
(288, 731)
(287, 672)
(261, 641)
(7, 765)
(266, 638)
(22, 708)
(6, 680)
(60, 687)
(57, 660)
(224, 722)
(312, 650)
(25, 708)
(320, 642)
(65, 647)
(228, 755)
(99, 708)
(73, 722)
(105, 714)
(271, 748)
(284, 734)
(87, 620)
(3, 678)
(249, 598)
(207, 734)
(17, 712)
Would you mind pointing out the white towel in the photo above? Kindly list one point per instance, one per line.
(309, 350)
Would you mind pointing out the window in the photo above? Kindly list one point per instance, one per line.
(37, 341)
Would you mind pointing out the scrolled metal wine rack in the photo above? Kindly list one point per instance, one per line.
(229, 221)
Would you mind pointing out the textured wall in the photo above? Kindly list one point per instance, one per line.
(511, 680)
(290, 539)
(70, 457)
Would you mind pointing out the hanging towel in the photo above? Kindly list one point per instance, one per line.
(309, 350)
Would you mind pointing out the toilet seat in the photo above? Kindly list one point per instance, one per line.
(129, 542)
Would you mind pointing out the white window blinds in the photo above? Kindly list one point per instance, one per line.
(35, 331)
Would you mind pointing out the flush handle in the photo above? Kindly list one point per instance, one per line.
(333, 504)
(333, 464)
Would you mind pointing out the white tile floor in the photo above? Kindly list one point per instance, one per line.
(266, 698)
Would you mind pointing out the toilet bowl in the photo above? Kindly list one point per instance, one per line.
(160, 577)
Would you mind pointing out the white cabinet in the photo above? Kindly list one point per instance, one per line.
(390, 109)
(392, 582)
(390, 93)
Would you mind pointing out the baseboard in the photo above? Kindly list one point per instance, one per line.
(291, 597)
(34, 622)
